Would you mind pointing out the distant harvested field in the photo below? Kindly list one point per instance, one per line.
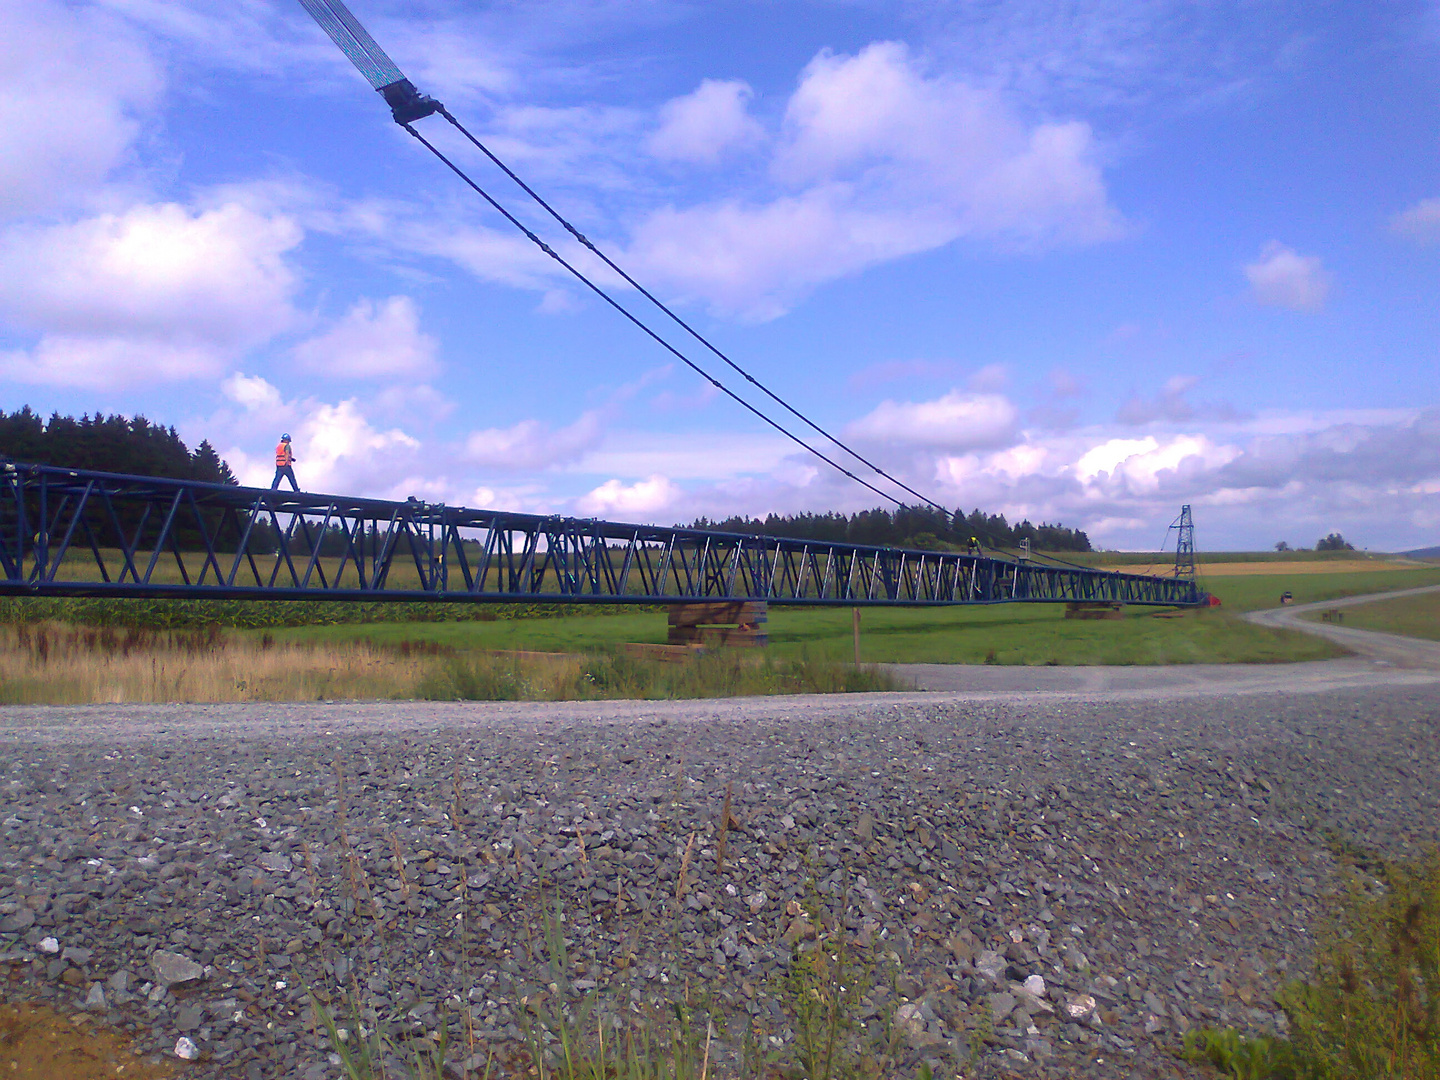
(1166, 559)
(1242, 569)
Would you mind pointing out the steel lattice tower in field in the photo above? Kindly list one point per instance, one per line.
(1184, 527)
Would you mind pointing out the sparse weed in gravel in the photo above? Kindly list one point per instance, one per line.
(369, 1049)
(1372, 1009)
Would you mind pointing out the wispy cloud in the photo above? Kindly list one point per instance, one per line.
(704, 124)
(86, 67)
(1281, 277)
(372, 340)
(1419, 222)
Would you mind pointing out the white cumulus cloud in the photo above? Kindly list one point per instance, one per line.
(878, 159)
(251, 392)
(372, 340)
(617, 499)
(158, 291)
(702, 125)
(1281, 277)
(1141, 467)
(953, 422)
(338, 448)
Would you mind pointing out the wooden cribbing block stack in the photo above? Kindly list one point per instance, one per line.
(1094, 609)
(736, 624)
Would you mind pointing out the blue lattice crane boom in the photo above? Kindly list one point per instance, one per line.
(406, 103)
(71, 532)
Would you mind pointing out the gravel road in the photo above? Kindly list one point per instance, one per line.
(1155, 855)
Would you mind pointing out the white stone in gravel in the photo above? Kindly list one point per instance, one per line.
(185, 1049)
(171, 968)
(275, 862)
(49, 945)
(909, 1017)
(991, 964)
(1035, 986)
(1079, 1006)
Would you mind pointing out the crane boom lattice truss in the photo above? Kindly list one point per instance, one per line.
(65, 532)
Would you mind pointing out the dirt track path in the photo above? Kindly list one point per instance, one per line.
(1380, 660)
(1379, 648)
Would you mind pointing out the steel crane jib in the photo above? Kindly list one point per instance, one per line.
(67, 532)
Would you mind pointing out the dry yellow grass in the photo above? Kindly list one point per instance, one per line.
(58, 664)
(53, 664)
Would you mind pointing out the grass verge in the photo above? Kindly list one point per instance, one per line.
(616, 675)
(56, 664)
(1413, 616)
(1372, 1009)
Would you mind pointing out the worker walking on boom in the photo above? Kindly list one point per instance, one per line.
(284, 462)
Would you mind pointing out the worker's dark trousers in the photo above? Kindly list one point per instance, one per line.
(287, 472)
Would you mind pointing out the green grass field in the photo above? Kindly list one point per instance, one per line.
(1413, 616)
(1010, 633)
(1005, 634)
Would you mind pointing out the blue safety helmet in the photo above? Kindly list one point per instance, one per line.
(285, 437)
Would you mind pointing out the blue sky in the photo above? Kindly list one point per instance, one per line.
(1078, 263)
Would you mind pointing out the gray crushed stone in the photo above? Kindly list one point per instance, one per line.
(1063, 885)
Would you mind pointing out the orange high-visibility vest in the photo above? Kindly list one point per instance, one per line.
(283, 456)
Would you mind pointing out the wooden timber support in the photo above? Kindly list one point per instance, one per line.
(736, 624)
(1094, 609)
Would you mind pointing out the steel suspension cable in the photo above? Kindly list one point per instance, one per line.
(580, 276)
(586, 242)
(407, 105)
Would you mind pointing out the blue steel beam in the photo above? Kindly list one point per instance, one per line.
(65, 532)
